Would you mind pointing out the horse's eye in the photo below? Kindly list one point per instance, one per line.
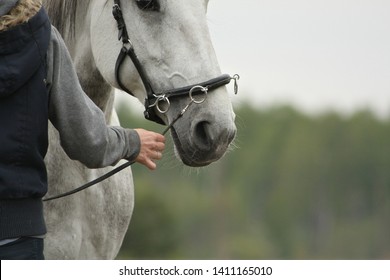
(148, 5)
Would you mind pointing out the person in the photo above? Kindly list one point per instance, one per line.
(38, 83)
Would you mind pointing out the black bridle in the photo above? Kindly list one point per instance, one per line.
(153, 99)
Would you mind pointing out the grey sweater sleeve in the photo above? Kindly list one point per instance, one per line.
(81, 124)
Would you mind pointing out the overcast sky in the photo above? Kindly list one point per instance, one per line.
(315, 54)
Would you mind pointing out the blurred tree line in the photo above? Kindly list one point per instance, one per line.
(294, 187)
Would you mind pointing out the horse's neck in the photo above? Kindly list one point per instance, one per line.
(95, 87)
(90, 78)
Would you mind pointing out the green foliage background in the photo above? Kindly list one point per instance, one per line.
(295, 187)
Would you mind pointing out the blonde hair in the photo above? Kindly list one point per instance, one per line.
(21, 13)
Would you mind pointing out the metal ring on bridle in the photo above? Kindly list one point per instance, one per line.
(159, 100)
(204, 92)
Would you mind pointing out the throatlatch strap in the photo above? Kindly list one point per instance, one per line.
(119, 61)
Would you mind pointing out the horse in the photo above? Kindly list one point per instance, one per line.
(172, 44)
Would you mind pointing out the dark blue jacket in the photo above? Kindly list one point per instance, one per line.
(23, 127)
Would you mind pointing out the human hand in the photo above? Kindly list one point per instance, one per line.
(152, 146)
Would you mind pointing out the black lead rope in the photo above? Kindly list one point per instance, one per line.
(92, 183)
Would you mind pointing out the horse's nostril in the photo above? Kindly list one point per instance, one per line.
(202, 136)
(207, 137)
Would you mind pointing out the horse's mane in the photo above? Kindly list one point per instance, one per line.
(62, 14)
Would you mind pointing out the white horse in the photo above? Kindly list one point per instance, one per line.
(172, 42)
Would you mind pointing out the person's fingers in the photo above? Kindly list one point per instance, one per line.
(159, 146)
(158, 155)
(150, 164)
(152, 147)
(160, 138)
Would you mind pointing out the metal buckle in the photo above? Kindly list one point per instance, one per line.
(236, 77)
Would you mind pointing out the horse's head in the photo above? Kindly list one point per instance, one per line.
(172, 42)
